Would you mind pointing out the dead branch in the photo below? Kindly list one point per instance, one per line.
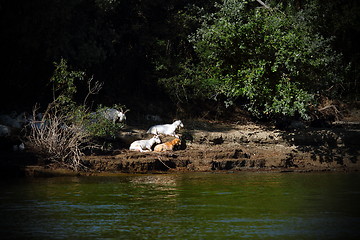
(93, 89)
(332, 108)
(57, 142)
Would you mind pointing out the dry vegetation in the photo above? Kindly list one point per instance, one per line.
(54, 141)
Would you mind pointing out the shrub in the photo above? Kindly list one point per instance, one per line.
(98, 126)
(276, 61)
(57, 140)
(67, 129)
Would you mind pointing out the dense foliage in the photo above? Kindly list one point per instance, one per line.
(274, 61)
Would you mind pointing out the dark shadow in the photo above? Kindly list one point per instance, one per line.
(14, 161)
(332, 144)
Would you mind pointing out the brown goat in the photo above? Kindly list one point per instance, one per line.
(168, 146)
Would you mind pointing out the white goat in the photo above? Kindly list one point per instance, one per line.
(166, 129)
(144, 145)
(114, 115)
(110, 114)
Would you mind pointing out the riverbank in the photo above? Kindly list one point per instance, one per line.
(237, 145)
(249, 147)
(213, 146)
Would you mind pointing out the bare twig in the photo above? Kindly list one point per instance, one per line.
(53, 140)
(163, 162)
(93, 89)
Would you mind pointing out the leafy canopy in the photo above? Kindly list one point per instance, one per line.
(275, 61)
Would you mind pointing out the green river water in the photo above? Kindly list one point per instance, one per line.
(183, 206)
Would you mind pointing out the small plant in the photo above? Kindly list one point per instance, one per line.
(64, 88)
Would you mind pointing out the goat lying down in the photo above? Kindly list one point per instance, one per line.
(144, 145)
(168, 146)
(166, 129)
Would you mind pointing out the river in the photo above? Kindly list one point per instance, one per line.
(183, 206)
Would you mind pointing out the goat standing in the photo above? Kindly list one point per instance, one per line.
(166, 129)
(114, 115)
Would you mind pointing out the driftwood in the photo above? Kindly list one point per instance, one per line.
(337, 114)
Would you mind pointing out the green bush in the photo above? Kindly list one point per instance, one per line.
(276, 61)
(98, 126)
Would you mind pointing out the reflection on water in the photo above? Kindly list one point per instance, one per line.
(183, 206)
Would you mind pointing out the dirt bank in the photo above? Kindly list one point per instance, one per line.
(234, 147)
(216, 146)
